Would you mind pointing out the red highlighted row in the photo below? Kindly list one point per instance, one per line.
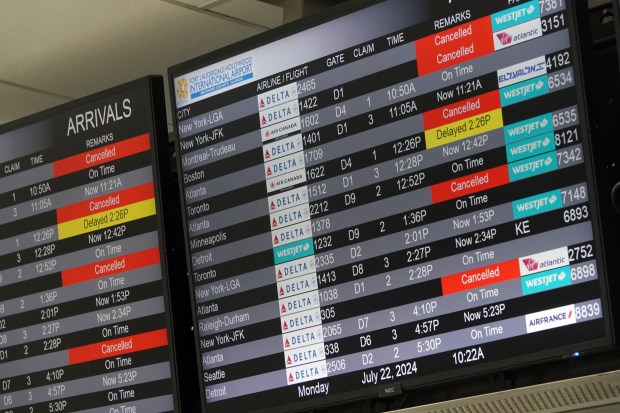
(111, 266)
(454, 46)
(480, 277)
(106, 202)
(102, 155)
(462, 110)
(119, 346)
(469, 184)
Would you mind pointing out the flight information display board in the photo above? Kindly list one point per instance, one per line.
(399, 194)
(84, 322)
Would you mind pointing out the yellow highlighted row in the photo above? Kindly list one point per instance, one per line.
(464, 129)
(106, 219)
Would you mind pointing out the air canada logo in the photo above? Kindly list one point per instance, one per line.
(182, 88)
(530, 263)
(504, 38)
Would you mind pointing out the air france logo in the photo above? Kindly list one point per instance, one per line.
(548, 319)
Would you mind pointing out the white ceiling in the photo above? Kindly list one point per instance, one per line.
(52, 52)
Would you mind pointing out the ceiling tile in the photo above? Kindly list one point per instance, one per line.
(17, 102)
(254, 11)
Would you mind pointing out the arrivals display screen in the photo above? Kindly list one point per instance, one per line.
(84, 322)
(392, 195)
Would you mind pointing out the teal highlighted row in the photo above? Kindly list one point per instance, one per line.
(546, 280)
(537, 204)
(530, 147)
(293, 251)
(526, 90)
(528, 128)
(515, 15)
(533, 166)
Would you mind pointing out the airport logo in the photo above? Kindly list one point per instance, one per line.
(281, 129)
(278, 114)
(281, 166)
(277, 96)
(297, 285)
(182, 88)
(299, 321)
(299, 302)
(517, 34)
(291, 234)
(309, 354)
(302, 338)
(543, 261)
(290, 216)
(306, 372)
(283, 147)
(295, 268)
(286, 180)
(522, 71)
(548, 319)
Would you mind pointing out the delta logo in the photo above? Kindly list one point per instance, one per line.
(288, 199)
(299, 267)
(309, 354)
(302, 338)
(306, 372)
(277, 96)
(182, 88)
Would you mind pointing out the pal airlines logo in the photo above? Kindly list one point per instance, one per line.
(182, 88)
(504, 38)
